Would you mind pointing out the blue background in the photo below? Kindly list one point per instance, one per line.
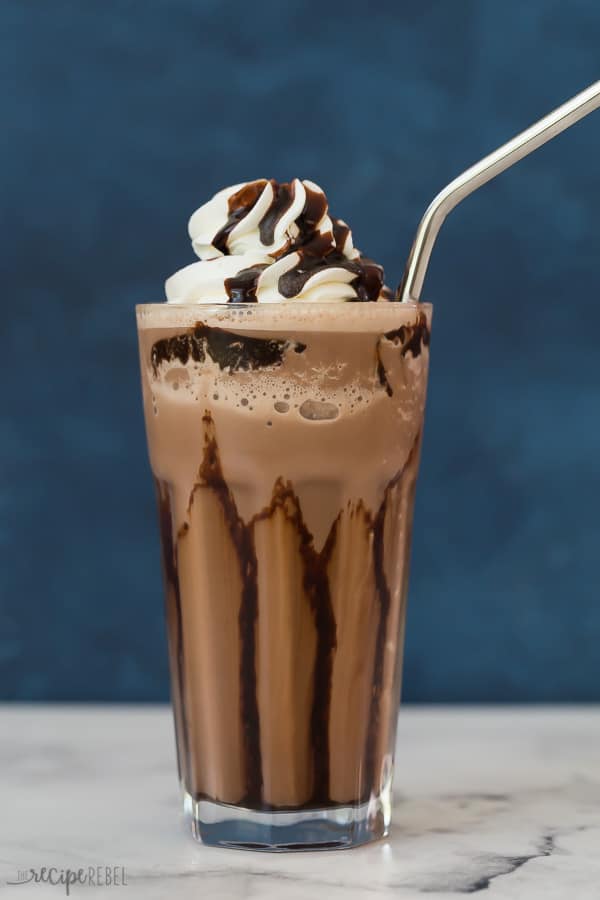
(120, 118)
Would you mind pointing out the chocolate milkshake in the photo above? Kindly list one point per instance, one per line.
(284, 394)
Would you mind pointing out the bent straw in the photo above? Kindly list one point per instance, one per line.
(480, 173)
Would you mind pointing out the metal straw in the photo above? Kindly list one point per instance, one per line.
(484, 170)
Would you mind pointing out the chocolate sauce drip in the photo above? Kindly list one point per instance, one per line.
(316, 583)
(367, 280)
(222, 236)
(247, 195)
(283, 197)
(317, 252)
(239, 205)
(316, 586)
(241, 288)
(174, 624)
(410, 338)
(340, 233)
(210, 475)
(382, 374)
(384, 596)
(315, 207)
(232, 352)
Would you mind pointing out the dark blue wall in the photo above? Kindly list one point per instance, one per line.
(119, 119)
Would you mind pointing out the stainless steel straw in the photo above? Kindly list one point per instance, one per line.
(484, 170)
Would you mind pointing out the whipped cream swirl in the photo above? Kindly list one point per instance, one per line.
(269, 242)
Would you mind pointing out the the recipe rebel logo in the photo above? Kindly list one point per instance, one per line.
(91, 876)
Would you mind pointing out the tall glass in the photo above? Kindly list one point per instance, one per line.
(284, 441)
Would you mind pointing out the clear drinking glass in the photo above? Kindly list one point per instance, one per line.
(284, 441)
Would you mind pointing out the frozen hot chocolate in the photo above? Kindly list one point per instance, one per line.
(284, 394)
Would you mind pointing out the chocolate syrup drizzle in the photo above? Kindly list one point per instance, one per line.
(410, 338)
(316, 251)
(232, 352)
(173, 603)
(283, 197)
(367, 280)
(385, 598)
(241, 288)
(210, 475)
(317, 588)
(239, 205)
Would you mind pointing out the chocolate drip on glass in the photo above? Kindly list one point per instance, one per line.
(316, 581)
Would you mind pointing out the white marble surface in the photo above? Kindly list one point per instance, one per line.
(502, 801)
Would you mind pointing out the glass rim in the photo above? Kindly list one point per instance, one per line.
(368, 316)
(288, 304)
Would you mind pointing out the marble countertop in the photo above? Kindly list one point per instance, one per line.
(504, 801)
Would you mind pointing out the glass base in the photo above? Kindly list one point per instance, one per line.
(331, 828)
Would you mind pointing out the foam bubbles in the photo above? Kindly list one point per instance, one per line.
(319, 410)
(177, 376)
(263, 394)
